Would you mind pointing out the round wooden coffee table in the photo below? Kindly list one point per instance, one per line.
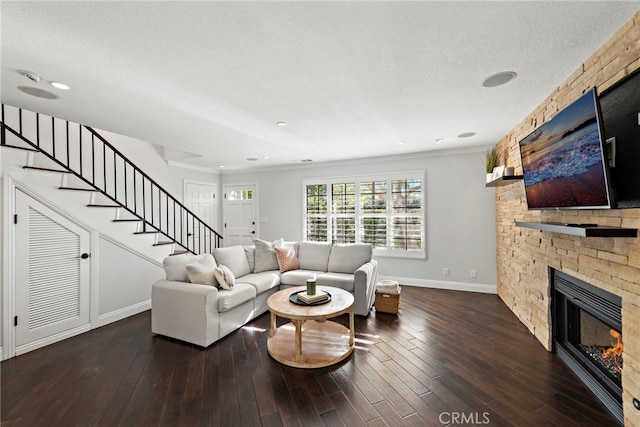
(310, 340)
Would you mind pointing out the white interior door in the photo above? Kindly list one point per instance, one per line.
(240, 214)
(200, 198)
(52, 275)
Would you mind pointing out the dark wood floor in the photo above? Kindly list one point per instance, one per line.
(448, 358)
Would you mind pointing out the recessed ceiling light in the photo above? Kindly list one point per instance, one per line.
(31, 76)
(400, 142)
(252, 159)
(439, 140)
(59, 85)
(265, 157)
(40, 93)
(306, 160)
(466, 135)
(281, 123)
(221, 166)
(499, 79)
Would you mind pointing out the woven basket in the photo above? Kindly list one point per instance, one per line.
(387, 303)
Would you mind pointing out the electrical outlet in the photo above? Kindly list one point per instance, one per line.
(474, 274)
(445, 271)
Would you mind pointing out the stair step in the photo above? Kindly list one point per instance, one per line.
(179, 252)
(163, 243)
(127, 220)
(46, 169)
(145, 232)
(19, 148)
(102, 206)
(77, 189)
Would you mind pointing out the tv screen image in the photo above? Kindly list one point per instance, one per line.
(563, 160)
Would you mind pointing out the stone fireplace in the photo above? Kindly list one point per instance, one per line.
(587, 325)
(612, 264)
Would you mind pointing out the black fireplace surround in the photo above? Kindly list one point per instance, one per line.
(584, 321)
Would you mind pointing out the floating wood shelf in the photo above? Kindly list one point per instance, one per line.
(582, 230)
(504, 180)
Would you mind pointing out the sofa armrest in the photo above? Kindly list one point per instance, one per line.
(364, 287)
(185, 311)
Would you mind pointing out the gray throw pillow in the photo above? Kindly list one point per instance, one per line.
(250, 252)
(265, 257)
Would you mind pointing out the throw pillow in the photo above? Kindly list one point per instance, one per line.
(225, 277)
(265, 257)
(250, 252)
(287, 259)
(202, 270)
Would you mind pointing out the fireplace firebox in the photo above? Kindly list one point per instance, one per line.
(587, 336)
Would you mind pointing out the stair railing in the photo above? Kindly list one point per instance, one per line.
(91, 158)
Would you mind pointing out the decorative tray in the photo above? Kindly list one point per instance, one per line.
(294, 299)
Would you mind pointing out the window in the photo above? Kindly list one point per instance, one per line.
(240, 195)
(385, 211)
(316, 213)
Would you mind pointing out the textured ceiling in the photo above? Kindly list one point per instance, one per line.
(209, 80)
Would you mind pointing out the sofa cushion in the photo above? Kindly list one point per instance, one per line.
(337, 280)
(239, 294)
(202, 270)
(175, 267)
(314, 256)
(287, 259)
(348, 258)
(297, 277)
(250, 252)
(225, 277)
(262, 281)
(234, 258)
(265, 256)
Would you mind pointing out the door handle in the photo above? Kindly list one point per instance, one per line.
(253, 232)
(84, 256)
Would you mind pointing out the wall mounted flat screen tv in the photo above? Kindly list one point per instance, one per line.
(563, 161)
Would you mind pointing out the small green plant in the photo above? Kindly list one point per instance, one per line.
(492, 159)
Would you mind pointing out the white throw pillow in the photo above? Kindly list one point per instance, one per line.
(202, 270)
(225, 277)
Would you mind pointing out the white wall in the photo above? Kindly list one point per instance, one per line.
(2, 216)
(145, 155)
(124, 281)
(460, 214)
(123, 265)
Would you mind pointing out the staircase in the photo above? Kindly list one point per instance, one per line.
(87, 162)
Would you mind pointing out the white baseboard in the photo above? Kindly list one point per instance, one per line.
(441, 284)
(123, 313)
(1, 350)
(52, 339)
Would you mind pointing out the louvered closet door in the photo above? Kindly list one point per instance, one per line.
(52, 279)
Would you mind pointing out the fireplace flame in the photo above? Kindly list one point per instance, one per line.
(615, 351)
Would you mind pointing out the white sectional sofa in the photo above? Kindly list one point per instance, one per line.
(202, 313)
